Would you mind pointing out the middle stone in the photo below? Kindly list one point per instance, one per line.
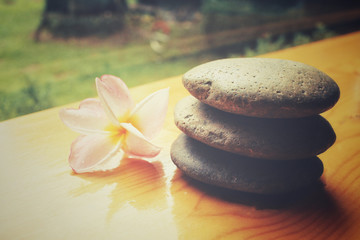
(278, 139)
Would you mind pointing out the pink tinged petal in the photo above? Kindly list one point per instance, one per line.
(89, 118)
(115, 96)
(136, 144)
(149, 115)
(94, 153)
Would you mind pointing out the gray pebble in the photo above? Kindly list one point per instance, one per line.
(279, 139)
(228, 170)
(262, 87)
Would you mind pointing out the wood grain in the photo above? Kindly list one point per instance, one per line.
(41, 198)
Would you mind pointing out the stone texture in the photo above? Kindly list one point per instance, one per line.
(262, 87)
(228, 170)
(279, 139)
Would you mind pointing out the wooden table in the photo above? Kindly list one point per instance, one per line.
(41, 198)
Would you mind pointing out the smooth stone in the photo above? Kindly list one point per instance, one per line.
(262, 87)
(279, 139)
(228, 170)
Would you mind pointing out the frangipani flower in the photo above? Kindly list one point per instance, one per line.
(113, 127)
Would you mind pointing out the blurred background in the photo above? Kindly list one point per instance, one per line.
(52, 50)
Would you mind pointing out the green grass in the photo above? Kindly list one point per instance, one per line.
(39, 75)
(64, 71)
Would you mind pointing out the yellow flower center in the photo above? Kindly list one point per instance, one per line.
(118, 132)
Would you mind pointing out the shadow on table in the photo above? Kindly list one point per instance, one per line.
(306, 195)
(305, 213)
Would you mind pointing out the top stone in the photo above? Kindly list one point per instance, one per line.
(262, 87)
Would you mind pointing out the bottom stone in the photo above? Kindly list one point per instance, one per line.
(228, 170)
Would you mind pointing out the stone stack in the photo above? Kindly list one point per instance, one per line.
(253, 124)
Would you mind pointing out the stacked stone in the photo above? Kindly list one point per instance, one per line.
(253, 124)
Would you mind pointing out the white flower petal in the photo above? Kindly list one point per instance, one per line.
(87, 119)
(149, 115)
(136, 144)
(94, 153)
(115, 96)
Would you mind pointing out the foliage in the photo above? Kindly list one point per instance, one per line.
(88, 7)
(269, 44)
(78, 18)
(82, 26)
(248, 7)
(266, 44)
(30, 99)
(233, 14)
(227, 7)
(322, 32)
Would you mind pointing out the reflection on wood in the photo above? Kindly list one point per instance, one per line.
(41, 198)
(137, 182)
